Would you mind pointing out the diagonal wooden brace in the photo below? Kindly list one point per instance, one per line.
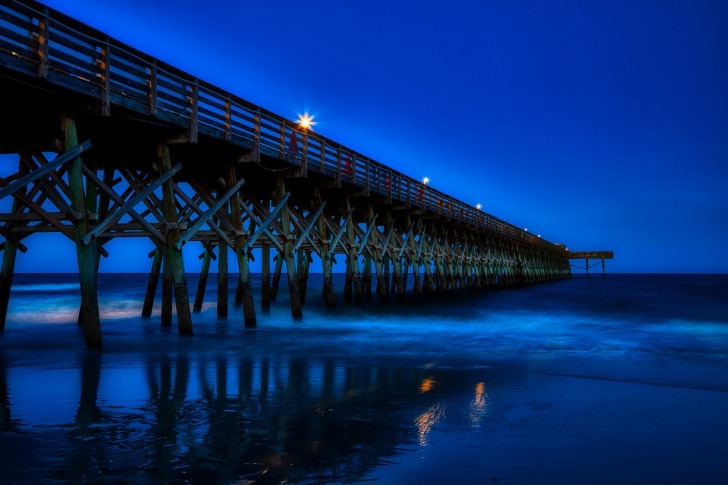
(50, 186)
(339, 233)
(9, 236)
(208, 215)
(111, 219)
(152, 202)
(224, 222)
(388, 237)
(363, 242)
(196, 208)
(35, 174)
(263, 227)
(404, 240)
(304, 234)
(119, 200)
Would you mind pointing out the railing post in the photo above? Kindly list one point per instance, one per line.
(352, 161)
(282, 143)
(304, 158)
(106, 78)
(256, 132)
(338, 167)
(193, 111)
(323, 156)
(366, 182)
(152, 84)
(228, 116)
(388, 181)
(43, 41)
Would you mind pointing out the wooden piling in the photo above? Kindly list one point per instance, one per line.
(327, 291)
(84, 253)
(265, 278)
(379, 266)
(176, 261)
(416, 284)
(367, 278)
(428, 284)
(385, 277)
(6, 278)
(202, 283)
(292, 272)
(238, 299)
(404, 272)
(167, 292)
(369, 252)
(222, 279)
(353, 273)
(241, 251)
(152, 284)
(277, 270)
(8, 264)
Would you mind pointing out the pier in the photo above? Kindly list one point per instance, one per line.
(587, 255)
(144, 150)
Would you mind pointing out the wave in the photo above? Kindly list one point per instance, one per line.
(55, 287)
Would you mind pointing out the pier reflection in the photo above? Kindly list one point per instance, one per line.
(185, 417)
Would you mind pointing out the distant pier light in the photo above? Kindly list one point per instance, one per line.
(478, 206)
(305, 121)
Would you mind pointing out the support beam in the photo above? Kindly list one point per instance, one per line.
(174, 253)
(202, 283)
(85, 254)
(327, 291)
(276, 276)
(292, 272)
(152, 284)
(222, 279)
(167, 291)
(241, 251)
(265, 278)
(8, 263)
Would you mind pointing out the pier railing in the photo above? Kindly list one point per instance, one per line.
(44, 43)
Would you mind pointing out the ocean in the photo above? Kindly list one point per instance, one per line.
(599, 381)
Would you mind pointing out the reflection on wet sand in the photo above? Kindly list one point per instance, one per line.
(222, 419)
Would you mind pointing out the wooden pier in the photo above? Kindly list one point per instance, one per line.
(145, 150)
(587, 255)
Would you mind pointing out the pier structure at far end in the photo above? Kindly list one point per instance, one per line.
(587, 255)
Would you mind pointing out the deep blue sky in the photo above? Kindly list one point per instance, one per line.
(600, 124)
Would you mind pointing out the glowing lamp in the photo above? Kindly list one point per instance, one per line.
(305, 121)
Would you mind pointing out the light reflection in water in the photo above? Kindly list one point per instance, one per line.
(427, 420)
(478, 405)
(427, 384)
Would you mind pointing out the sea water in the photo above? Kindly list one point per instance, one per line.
(617, 380)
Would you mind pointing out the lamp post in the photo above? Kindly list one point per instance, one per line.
(305, 123)
(425, 181)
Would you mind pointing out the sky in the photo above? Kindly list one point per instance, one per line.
(602, 125)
